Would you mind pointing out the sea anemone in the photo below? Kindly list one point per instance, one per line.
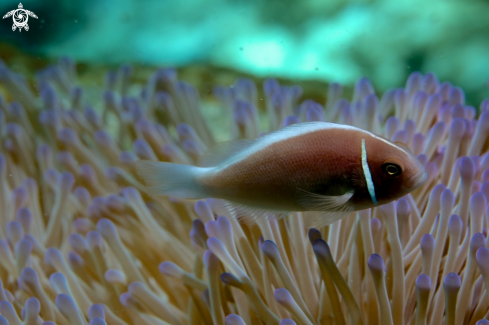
(83, 241)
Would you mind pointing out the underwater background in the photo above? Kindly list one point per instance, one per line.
(92, 87)
(332, 40)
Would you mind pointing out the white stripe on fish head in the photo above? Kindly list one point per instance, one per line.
(388, 142)
(366, 172)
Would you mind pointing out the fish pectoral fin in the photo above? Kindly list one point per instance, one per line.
(222, 152)
(250, 214)
(317, 202)
(357, 177)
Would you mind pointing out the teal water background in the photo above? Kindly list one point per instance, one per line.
(330, 40)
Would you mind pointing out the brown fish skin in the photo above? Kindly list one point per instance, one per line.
(326, 162)
(315, 166)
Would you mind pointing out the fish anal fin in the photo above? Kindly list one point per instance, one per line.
(222, 152)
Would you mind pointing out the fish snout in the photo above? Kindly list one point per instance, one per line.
(417, 180)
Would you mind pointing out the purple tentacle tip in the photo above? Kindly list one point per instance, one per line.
(233, 319)
(376, 263)
(452, 283)
(423, 282)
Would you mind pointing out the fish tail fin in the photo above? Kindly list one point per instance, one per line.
(177, 180)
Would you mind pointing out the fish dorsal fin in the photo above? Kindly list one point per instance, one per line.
(226, 150)
(223, 151)
(300, 128)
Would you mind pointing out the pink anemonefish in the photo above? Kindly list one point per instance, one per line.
(315, 166)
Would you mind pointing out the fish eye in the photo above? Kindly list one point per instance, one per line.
(391, 170)
(392, 167)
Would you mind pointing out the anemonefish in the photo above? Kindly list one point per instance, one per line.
(315, 166)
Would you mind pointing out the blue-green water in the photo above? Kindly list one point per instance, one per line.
(310, 39)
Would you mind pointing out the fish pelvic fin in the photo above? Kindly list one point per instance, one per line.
(317, 202)
(170, 179)
(323, 210)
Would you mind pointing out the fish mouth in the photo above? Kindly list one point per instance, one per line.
(417, 180)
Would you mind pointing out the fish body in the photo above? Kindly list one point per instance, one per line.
(314, 166)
